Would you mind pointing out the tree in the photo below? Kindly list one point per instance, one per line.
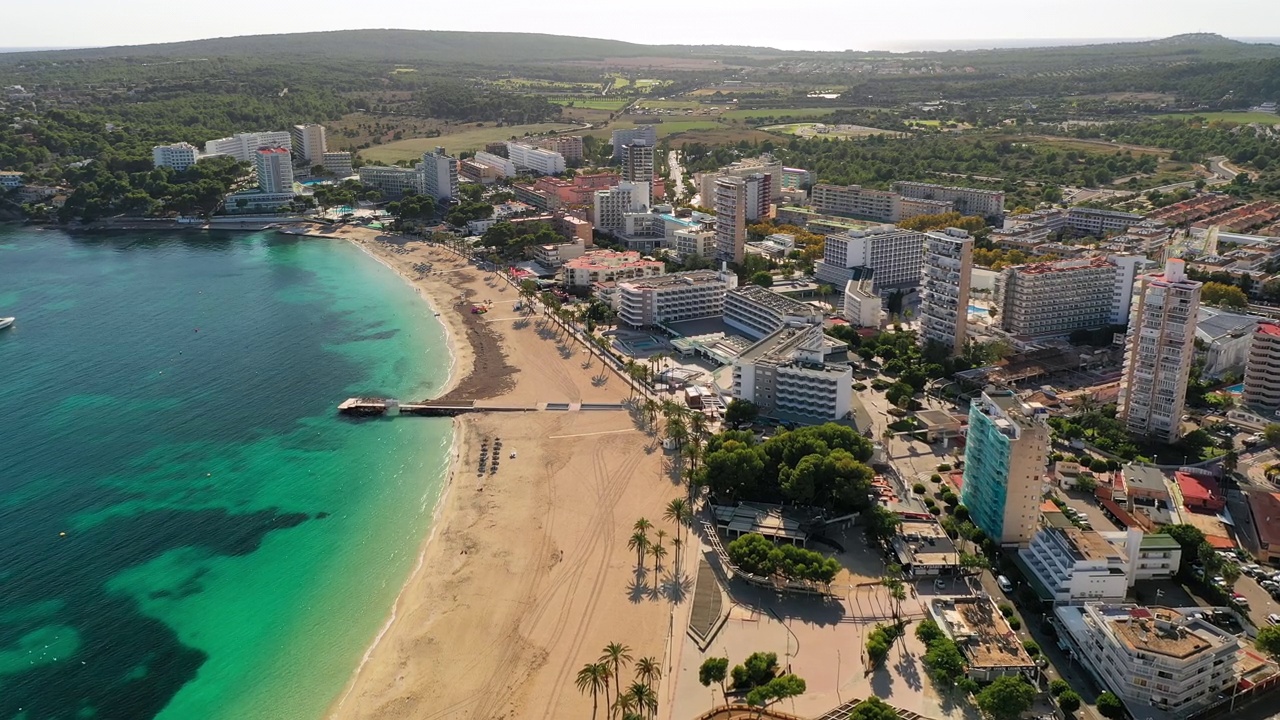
(944, 662)
(615, 655)
(1271, 433)
(740, 413)
(645, 698)
(873, 708)
(592, 678)
(1109, 706)
(1268, 640)
(881, 523)
(1223, 295)
(779, 688)
(1057, 686)
(762, 278)
(927, 631)
(639, 542)
(659, 551)
(758, 669)
(1006, 698)
(648, 671)
(1069, 701)
(714, 669)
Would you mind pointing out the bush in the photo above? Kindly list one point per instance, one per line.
(935, 478)
(1069, 701)
(944, 467)
(755, 554)
(1032, 647)
(918, 488)
(860, 387)
(1015, 624)
(950, 498)
(927, 631)
(1057, 686)
(1006, 609)
(1109, 706)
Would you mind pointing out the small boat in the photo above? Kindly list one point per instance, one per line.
(6, 322)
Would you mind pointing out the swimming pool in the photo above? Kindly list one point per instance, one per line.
(1237, 389)
(975, 310)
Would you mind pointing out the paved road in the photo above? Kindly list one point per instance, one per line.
(1218, 166)
(677, 172)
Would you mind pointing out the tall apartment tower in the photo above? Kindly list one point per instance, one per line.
(1262, 371)
(439, 174)
(759, 192)
(626, 136)
(1005, 456)
(275, 169)
(944, 288)
(637, 164)
(309, 143)
(1158, 357)
(731, 219)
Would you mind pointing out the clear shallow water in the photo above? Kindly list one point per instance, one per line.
(231, 547)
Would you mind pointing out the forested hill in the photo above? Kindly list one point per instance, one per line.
(453, 48)
(402, 46)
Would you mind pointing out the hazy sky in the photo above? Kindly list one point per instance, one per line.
(813, 24)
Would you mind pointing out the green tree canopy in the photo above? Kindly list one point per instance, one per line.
(1006, 698)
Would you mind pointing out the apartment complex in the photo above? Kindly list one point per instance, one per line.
(862, 305)
(876, 205)
(967, 201)
(627, 136)
(275, 169)
(637, 164)
(612, 205)
(1159, 353)
(439, 174)
(697, 242)
(178, 156)
(1262, 372)
(498, 164)
(535, 159)
(309, 143)
(393, 181)
(10, 179)
(1055, 298)
(1162, 663)
(894, 256)
(757, 312)
(763, 165)
(1005, 456)
(786, 373)
(338, 164)
(569, 146)
(674, 298)
(1076, 566)
(944, 288)
(556, 255)
(241, 146)
(1098, 222)
(730, 204)
(602, 266)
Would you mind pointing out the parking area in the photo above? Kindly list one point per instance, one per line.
(1087, 505)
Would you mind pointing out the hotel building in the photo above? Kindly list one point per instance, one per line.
(627, 136)
(786, 373)
(944, 288)
(569, 146)
(894, 256)
(275, 169)
(1005, 456)
(612, 205)
(674, 298)
(178, 156)
(1162, 663)
(535, 159)
(602, 266)
(392, 181)
(637, 164)
(967, 201)
(338, 164)
(876, 205)
(757, 312)
(439, 174)
(1159, 354)
(309, 143)
(862, 305)
(1262, 371)
(698, 242)
(241, 146)
(1056, 298)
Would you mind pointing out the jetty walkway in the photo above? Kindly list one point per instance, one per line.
(372, 407)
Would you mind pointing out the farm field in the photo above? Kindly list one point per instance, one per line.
(592, 103)
(467, 137)
(1243, 118)
(802, 112)
(838, 132)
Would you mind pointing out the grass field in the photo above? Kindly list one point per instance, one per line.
(592, 103)
(778, 112)
(848, 131)
(1243, 118)
(467, 138)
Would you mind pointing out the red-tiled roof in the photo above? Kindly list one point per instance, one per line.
(1265, 507)
(1269, 328)
(1198, 489)
(1220, 543)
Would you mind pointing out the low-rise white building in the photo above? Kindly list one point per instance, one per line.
(605, 266)
(338, 164)
(535, 159)
(697, 242)
(1076, 566)
(392, 181)
(785, 373)
(10, 179)
(991, 648)
(757, 312)
(1162, 663)
(674, 298)
(500, 165)
(862, 304)
(178, 156)
(241, 146)
(553, 256)
(1098, 222)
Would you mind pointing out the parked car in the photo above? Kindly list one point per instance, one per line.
(1240, 600)
(1004, 583)
(1274, 619)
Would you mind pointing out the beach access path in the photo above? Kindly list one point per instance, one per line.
(527, 576)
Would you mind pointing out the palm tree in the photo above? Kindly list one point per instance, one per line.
(594, 677)
(639, 542)
(630, 368)
(625, 705)
(692, 452)
(698, 427)
(642, 525)
(616, 654)
(648, 671)
(651, 410)
(646, 699)
(677, 512)
(676, 544)
(677, 432)
(658, 551)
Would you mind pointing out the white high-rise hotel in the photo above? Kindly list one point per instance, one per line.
(944, 288)
(1160, 349)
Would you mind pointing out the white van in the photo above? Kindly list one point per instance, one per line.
(1004, 583)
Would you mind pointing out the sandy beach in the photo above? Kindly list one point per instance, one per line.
(527, 575)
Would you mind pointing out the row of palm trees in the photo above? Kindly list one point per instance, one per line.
(679, 513)
(638, 701)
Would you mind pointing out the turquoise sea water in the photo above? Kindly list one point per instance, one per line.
(231, 546)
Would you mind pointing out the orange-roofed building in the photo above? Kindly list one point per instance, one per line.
(1200, 494)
